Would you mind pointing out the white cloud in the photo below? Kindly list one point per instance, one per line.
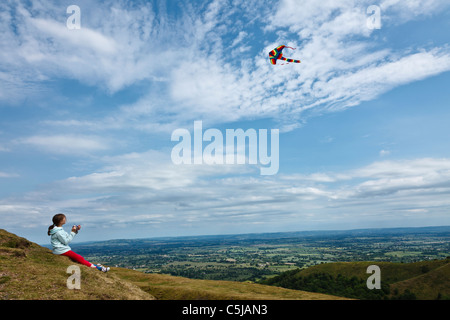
(78, 40)
(403, 179)
(187, 72)
(116, 46)
(340, 66)
(351, 88)
(7, 175)
(148, 188)
(397, 11)
(66, 144)
(189, 57)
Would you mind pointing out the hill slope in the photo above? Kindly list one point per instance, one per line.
(434, 284)
(29, 271)
(424, 280)
(166, 287)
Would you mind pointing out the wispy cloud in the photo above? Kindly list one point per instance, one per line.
(66, 144)
(341, 66)
(8, 175)
(119, 46)
(116, 46)
(145, 187)
(209, 61)
(384, 152)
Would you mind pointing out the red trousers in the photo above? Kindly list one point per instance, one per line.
(77, 258)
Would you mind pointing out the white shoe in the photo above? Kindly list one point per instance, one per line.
(102, 268)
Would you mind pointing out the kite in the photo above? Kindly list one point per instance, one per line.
(276, 54)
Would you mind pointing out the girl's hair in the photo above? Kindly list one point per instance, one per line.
(57, 218)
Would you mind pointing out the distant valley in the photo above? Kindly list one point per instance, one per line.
(255, 257)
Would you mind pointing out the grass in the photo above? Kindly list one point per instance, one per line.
(432, 284)
(167, 287)
(31, 272)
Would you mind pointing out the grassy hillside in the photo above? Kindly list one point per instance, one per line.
(425, 280)
(29, 271)
(166, 287)
(434, 284)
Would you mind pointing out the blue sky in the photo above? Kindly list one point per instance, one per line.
(87, 115)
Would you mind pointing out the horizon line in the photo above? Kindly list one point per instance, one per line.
(258, 233)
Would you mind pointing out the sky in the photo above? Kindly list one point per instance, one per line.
(90, 99)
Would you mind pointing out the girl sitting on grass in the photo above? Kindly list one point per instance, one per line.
(60, 240)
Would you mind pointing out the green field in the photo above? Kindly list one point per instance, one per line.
(260, 256)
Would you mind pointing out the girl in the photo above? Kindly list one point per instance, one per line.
(60, 240)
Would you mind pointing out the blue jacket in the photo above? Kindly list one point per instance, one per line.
(60, 240)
